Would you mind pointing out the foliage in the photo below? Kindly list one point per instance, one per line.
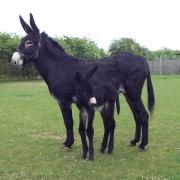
(83, 48)
(165, 53)
(32, 132)
(8, 44)
(129, 45)
(125, 45)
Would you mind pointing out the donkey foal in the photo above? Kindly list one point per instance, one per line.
(90, 98)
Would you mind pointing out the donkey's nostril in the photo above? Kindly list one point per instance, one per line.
(14, 62)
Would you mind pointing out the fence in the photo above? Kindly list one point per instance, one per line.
(164, 67)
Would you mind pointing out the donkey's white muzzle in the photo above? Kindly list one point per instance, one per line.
(17, 60)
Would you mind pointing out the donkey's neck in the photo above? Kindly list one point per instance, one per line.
(51, 56)
(56, 67)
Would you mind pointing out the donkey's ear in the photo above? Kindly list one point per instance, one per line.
(33, 24)
(91, 72)
(78, 77)
(25, 26)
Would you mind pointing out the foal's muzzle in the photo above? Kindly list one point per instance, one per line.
(92, 101)
(17, 60)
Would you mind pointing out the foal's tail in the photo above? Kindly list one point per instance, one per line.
(151, 99)
(117, 104)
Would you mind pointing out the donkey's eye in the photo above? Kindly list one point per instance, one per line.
(28, 43)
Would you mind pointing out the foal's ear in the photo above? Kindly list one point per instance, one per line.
(33, 24)
(91, 72)
(78, 77)
(25, 26)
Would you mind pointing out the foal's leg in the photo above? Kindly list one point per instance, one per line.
(83, 116)
(68, 121)
(104, 115)
(111, 125)
(111, 138)
(90, 134)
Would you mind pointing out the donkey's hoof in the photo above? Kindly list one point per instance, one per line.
(91, 158)
(64, 143)
(102, 151)
(67, 148)
(131, 145)
(141, 149)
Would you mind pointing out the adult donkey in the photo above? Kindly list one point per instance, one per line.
(126, 71)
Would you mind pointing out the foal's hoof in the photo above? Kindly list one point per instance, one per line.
(110, 151)
(67, 148)
(84, 156)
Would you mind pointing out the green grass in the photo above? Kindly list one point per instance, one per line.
(32, 133)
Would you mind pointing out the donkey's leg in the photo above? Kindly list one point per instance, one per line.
(90, 134)
(133, 90)
(142, 119)
(106, 124)
(137, 135)
(137, 121)
(83, 116)
(144, 123)
(68, 121)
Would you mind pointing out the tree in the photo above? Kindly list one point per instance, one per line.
(125, 45)
(165, 53)
(8, 44)
(82, 48)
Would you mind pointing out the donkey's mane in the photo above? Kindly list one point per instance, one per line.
(55, 43)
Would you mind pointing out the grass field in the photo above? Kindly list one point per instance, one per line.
(32, 133)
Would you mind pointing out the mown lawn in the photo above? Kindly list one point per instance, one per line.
(32, 133)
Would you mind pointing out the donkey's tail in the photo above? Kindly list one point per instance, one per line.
(117, 104)
(150, 91)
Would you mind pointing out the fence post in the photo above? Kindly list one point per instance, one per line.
(160, 65)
